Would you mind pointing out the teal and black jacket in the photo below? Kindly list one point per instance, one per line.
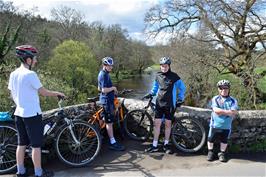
(168, 87)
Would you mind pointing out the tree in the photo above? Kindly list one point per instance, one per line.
(9, 35)
(140, 56)
(73, 62)
(71, 21)
(237, 27)
(116, 45)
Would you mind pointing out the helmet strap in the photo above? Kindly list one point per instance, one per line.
(25, 62)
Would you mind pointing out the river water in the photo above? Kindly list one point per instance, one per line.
(140, 85)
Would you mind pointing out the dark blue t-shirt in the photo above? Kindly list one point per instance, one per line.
(104, 81)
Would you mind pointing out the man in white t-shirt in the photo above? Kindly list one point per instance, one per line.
(25, 86)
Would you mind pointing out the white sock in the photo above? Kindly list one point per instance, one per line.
(112, 140)
(166, 142)
(155, 143)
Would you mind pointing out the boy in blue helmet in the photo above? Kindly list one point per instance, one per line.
(165, 86)
(108, 92)
(224, 110)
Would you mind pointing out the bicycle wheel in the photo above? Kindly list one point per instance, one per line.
(85, 151)
(188, 134)
(8, 146)
(138, 124)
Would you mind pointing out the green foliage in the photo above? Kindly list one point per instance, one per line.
(234, 148)
(262, 81)
(237, 89)
(51, 82)
(74, 63)
(260, 146)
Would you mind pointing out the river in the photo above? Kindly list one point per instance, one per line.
(140, 84)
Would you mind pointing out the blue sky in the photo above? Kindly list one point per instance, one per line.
(128, 13)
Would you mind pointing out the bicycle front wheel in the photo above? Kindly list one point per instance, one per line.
(8, 146)
(138, 124)
(81, 149)
(188, 135)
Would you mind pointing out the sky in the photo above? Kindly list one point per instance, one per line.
(128, 13)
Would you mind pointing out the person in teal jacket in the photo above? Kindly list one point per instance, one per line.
(170, 92)
(224, 110)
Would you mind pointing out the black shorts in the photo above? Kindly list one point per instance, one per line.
(108, 113)
(218, 134)
(30, 131)
(164, 112)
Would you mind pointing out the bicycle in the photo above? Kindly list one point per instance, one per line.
(187, 133)
(69, 136)
(97, 118)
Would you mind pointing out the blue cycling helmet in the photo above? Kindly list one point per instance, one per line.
(108, 61)
(165, 60)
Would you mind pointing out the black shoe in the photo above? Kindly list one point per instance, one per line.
(152, 149)
(22, 175)
(210, 156)
(117, 147)
(167, 149)
(221, 156)
(46, 173)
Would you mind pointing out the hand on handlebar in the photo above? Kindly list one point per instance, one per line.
(115, 90)
(179, 103)
(148, 96)
(61, 96)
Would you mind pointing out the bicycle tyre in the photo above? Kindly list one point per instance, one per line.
(188, 134)
(8, 146)
(78, 155)
(138, 124)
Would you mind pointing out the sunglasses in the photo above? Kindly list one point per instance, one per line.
(223, 88)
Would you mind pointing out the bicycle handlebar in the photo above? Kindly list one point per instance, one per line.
(149, 101)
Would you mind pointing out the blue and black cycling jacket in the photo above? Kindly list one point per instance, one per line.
(166, 86)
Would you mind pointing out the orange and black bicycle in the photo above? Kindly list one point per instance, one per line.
(97, 118)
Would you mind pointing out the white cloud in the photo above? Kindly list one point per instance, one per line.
(129, 14)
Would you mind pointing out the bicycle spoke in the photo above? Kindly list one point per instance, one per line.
(82, 152)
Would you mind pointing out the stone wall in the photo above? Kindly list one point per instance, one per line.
(248, 132)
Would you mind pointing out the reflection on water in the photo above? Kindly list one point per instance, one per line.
(140, 84)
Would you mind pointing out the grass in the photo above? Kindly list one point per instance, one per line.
(262, 81)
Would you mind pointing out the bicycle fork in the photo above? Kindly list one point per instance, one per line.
(70, 128)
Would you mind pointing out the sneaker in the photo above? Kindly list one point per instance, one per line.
(152, 149)
(210, 156)
(22, 175)
(117, 147)
(167, 149)
(221, 156)
(46, 173)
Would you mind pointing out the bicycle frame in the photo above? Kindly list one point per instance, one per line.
(120, 111)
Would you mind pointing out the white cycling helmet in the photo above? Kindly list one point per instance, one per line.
(108, 61)
(224, 83)
(165, 60)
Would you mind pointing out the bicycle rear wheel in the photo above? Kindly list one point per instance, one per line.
(138, 124)
(8, 146)
(83, 152)
(188, 134)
